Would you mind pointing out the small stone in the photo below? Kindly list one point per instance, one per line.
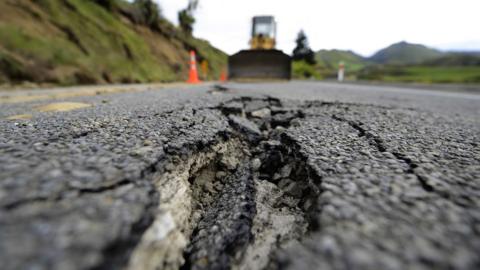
(293, 189)
(329, 246)
(147, 143)
(170, 167)
(220, 174)
(262, 113)
(295, 123)
(256, 164)
(230, 163)
(284, 183)
(286, 171)
(141, 151)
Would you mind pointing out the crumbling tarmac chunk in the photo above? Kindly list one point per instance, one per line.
(246, 127)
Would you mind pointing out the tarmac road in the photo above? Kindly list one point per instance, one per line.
(300, 175)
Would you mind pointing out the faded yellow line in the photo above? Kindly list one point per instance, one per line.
(20, 117)
(61, 95)
(52, 107)
(62, 107)
(94, 91)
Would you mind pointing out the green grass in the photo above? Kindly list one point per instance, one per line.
(422, 74)
(303, 70)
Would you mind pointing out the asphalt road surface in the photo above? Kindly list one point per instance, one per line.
(299, 175)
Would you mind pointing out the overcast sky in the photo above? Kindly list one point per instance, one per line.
(363, 26)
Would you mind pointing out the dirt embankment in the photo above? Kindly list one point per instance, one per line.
(81, 42)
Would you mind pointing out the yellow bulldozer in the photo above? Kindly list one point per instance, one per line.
(262, 61)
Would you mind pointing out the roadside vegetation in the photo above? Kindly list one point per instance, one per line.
(304, 62)
(95, 41)
(400, 62)
(422, 74)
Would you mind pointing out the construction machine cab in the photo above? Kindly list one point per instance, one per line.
(264, 31)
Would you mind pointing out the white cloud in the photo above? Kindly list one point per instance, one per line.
(363, 26)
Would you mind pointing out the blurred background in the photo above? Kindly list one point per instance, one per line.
(69, 42)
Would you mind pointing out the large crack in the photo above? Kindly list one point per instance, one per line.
(186, 188)
(234, 203)
(285, 188)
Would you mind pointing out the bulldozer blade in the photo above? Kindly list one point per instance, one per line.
(259, 65)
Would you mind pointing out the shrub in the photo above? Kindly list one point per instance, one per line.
(145, 12)
(107, 4)
(303, 70)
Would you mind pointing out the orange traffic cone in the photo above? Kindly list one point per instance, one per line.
(223, 76)
(193, 76)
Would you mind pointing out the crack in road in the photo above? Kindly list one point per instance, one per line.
(378, 143)
(214, 206)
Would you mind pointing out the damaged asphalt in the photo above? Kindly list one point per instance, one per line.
(294, 175)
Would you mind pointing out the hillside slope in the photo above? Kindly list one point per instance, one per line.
(331, 58)
(405, 53)
(80, 42)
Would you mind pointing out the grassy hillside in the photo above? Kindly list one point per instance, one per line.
(331, 58)
(81, 42)
(405, 53)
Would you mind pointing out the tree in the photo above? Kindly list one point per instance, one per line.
(149, 11)
(186, 17)
(302, 51)
(108, 4)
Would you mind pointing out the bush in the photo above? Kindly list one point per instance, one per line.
(150, 12)
(303, 70)
(186, 21)
(145, 12)
(107, 4)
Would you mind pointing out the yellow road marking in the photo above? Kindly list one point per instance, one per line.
(20, 117)
(89, 91)
(86, 92)
(62, 107)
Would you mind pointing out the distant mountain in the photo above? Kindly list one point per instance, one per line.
(330, 59)
(405, 53)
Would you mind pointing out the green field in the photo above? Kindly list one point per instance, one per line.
(422, 74)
